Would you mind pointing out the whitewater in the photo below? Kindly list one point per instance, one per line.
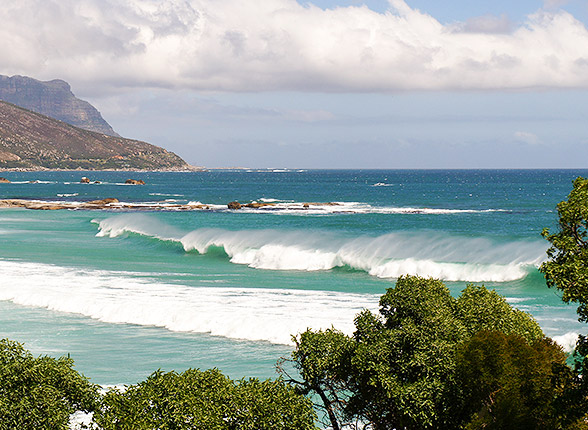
(172, 278)
(387, 256)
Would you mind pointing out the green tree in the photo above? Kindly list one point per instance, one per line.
(567, 270)
(40, 393)
(205, 400)
(399, 370)
(507, 383)
(323, 360)
(567, 267)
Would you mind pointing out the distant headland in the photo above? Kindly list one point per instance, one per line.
(76, 138)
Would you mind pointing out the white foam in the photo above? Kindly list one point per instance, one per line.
(289, 207)
(450, 258)
(334, 208)
(259, 314)
(270, 200)
(166, 195)
(136, 223)
(34, 181)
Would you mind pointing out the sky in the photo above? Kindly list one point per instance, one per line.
(323, 83)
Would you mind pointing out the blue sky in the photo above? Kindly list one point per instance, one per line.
(323, 84)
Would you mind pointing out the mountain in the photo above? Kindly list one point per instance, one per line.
(53, 99)
(29, 140)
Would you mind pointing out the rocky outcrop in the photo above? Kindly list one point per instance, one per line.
(53, 99)
(256, 205)
(113, 204)
(104, 204)
(29, 140)
(4, 180)
(135, 182)
(103, 201)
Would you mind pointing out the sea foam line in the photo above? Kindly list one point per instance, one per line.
(388, 256)
(256, 314)
(265, 206)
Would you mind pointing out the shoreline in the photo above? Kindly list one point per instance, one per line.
(188, 169)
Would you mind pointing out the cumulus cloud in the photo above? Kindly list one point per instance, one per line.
(232, 45)
(490, 24)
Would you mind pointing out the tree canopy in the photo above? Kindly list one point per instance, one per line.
(567, 270)
(40, 392)
(567, 267)
(205, 400)
(407, 367)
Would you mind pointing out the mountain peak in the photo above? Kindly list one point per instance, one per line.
(53, 99)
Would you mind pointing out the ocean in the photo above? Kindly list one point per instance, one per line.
(128, 291)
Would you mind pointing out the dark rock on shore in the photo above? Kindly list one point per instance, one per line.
(103, 201)
(234, 205)
(256, 205)
(135, 182)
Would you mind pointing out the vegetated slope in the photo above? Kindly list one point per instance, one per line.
(53, 99)
(30, 140)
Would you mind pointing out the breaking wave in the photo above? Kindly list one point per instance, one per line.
(451, 258)
(256, 314)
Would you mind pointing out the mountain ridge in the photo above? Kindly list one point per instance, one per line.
(32, 141)
(53, 99)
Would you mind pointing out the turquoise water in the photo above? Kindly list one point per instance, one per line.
(128, 292)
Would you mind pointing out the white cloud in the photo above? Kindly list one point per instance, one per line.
(490, 24)
(526, 137)
(232, 45)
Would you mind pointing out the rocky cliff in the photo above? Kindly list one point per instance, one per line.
(29, 140)
(53, 99)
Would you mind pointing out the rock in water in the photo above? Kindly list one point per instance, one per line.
(234, 205)
(4, 181)
(103, 201)
(135, 182)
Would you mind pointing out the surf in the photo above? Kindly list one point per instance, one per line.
(439, 255)
(255, 314)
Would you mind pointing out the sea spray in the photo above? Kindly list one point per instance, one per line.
(442, 256)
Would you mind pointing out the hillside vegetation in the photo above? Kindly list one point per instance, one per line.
(29, 140)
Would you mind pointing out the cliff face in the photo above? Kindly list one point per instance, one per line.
(29, 140)
(53, 99)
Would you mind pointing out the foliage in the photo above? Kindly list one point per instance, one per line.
(508, 383)
(323, 360)
(400, 368)
(567, 270)
(40, 393)
(567, 267)
(205, 400)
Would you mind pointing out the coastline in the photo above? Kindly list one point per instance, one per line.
(187, 168)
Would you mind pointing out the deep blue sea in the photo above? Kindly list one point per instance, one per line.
(126, 292)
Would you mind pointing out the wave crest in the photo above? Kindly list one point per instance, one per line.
(451, 258)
